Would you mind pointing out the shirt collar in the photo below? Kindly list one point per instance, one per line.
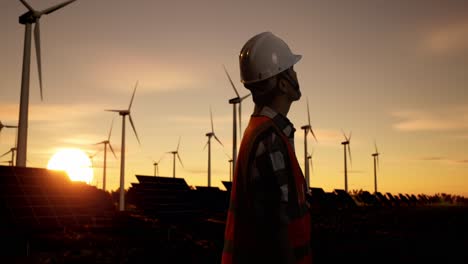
(281, 121)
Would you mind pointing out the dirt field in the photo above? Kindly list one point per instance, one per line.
(359, 235)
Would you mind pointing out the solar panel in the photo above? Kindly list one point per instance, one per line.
(165, 198)
(37, 198)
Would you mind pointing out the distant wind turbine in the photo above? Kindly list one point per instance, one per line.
(208, 143)
(376, 164)
(125, 113)
(155, 164)
(175, 153)
(106, 143)
(307, 128)
(27, 19)
(12, 151)
(347, 146)
(236, 100)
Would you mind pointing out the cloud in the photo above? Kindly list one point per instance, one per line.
(443, 160)
(448, 39)
(433, 158)
(122, 73)
(447, 119)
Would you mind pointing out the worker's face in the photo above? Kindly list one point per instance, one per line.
(293, 90)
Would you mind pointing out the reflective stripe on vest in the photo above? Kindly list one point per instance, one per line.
(237, 239)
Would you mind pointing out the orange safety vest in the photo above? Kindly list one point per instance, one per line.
(238, 241)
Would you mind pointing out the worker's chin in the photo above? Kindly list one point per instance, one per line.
(297, 95)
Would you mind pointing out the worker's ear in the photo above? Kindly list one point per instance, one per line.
(282, 85)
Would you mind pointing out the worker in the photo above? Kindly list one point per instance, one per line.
(268, 220)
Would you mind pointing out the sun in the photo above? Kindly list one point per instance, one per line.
(74, 162)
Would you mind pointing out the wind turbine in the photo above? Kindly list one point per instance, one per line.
(236, 100)
(346, 145)
(376, 164)
(155, 164)
(27, 19)
(208, 143)
(106, 143)
(307, 128)
(125, 113)
(175, 153)
(12, 151)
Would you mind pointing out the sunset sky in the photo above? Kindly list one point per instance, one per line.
(394, 72)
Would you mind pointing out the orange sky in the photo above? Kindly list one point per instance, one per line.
(389, 71)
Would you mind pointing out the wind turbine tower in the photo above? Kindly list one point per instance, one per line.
(125, 113)
(307, 128)
(235, 101)
(230, 169)
(376, 164)
(27, 19)
(210, 135)
(174, 154)
(346, 145)
(106, 143)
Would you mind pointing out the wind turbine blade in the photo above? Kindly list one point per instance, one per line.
(6, 153)
(162, 156)
(378, 166)
(217, 139)
(27, 5)
(110, 130)
(308, 111)
(230, 80)
(110, 110)
(311, 164)
(245, 96)
(349, 153)
(313, 134)
(180, 160)
(178, 144)
(52, 9)
(133, 126)
(349, 138)
(37, 41)
(133, 95)
(344, 135)
(11, 126)
(211, 118)
(112, 150)
(206, 144)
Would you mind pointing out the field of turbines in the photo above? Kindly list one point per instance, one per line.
(45, 217)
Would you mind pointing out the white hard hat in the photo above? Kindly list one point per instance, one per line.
(263, 56)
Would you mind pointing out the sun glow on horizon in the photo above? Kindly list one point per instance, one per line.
(74, 162)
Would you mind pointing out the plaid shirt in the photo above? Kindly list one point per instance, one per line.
(271, 170)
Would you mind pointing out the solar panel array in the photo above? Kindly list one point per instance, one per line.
(164, 197)
(41, 199)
